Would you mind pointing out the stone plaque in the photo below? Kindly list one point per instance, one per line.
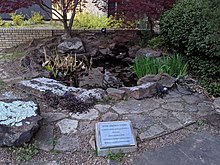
(115, 135)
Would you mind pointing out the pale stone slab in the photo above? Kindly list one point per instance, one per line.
(173, 106)
(109, 116)
(171, 123)
(67, 143)
(102, 108)
(115, 136)
(91, 115)
(67, 126)
(152, 132)
(183, 117)
(160, 112)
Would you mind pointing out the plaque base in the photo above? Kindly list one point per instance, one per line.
(107, 137)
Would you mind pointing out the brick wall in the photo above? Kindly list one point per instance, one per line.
(13, 37)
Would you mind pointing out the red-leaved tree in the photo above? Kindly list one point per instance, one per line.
(132, 10)
(61, 11)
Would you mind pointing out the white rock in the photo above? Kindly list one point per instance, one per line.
(67, 126)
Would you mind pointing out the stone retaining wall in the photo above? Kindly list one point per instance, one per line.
(13, 37)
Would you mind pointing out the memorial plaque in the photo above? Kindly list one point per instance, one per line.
(117, 135)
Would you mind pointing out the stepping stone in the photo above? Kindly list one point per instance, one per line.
(67, 143)
(171, 123)
(52, 117)
(153, 132)
(160, 112)
(217, 104)
(191, 99)
(109, 116)
(86, 127)
(91, 115)
(67, 126)
(102, 108)
(173, 106)
(139, 121)
(205, 108)
(183, 117)
(136, 106)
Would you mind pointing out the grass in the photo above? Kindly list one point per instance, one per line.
(115, 156)
(24, 153)
(11, 56)
(173, 65)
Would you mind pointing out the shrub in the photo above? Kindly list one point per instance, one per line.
(36, 18)
(17, 19)
(157, 42)
(91, 21)
(192, 27)
(174, 65)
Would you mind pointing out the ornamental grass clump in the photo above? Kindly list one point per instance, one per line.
(173, 65)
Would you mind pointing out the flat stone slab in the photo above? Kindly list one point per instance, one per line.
(91, 115)
(197, 149)
(117, 136)
(173, 106)
(67, 126)
(102, 108)
(136, 106)
(51, 117)
(171, 123)
(67, 143)
(152, 132)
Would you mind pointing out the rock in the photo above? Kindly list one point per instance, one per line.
(91, 115)
(152, 132)
(102, 108)
(115, 94)
(44, 138)
(94, 79)
(49, 85)
(74, 45)
(205, 108)
(92, 142)
(92, 95)
(109, 116)
(217, 104)
(67, 126)
(191, 99)
(7, 96)
(110, 81)
(133, 51)
(19, 120)
(50, 117)
(171, 123)
(86, 127)
(173, 106)
(67, 143)
(142, 91)
(146, 52)
(163, 79)
(184, 118)
(135, 106)
(160, 112)
(139, 121)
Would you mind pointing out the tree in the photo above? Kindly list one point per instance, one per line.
(60, 9)
(132, 10)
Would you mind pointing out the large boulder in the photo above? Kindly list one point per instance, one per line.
(74, 45)
(19, 120)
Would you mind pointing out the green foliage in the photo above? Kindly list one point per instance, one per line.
(174, 65)
(36, 18)
(2, 83)
(91, 21)
(208, 72)
(115, 156)
(17, 19)
(1, 22)
(7, 24)
(25, 153)
(157, 42)
(192, 27)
